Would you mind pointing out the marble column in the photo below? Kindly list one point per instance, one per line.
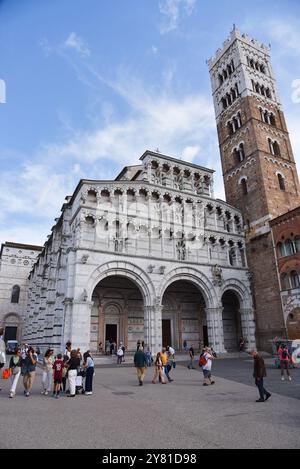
(153, 327)
(215, 329)
(248, 328)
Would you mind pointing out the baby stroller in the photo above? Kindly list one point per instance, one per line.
(79, 389)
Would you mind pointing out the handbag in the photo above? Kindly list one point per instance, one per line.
(16, 370)
(6, 373)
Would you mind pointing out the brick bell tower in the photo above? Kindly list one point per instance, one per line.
(259, 170)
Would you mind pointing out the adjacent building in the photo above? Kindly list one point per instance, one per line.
(16, 261)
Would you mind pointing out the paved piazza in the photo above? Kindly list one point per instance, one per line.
(180, 415)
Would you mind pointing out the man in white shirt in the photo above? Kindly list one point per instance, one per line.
(206, 368)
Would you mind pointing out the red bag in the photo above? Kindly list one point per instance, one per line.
(202, 360)
(6, 373)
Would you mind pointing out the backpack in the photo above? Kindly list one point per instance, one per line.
(202, 360)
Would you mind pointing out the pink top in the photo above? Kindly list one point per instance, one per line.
(281, 358)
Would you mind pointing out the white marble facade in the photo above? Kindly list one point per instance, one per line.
(150, 256)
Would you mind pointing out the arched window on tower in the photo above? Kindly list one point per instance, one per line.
(295, 279)
(268, 93)
(244, 186)
(15, 294)
(274, 147)
(281, 182)
(272, 119)
(242, 152)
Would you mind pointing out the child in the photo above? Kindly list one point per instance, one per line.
(58, 367)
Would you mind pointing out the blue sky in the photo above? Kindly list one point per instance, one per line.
(91, 84)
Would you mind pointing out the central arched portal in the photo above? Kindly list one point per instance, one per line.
(183, 316)
(117, 313)
(232, 326)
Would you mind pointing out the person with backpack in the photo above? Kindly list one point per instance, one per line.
(15, 370)
(284, 358)
(58, 367)
(205, 361)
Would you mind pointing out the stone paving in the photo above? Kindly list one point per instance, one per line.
(180, 415)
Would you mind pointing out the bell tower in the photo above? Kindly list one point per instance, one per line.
(259, 170)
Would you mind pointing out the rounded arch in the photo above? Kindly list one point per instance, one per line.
(123, 269)
(242, 291)
(194, 276)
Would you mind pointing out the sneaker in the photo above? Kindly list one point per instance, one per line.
(46, 393)
(43, 392)
(11, 395)
(290, 379)
(88, 393)
(268, 396)
(282, 378)
(213, 382)
(71, 395)
(205, 384)
(27, 394)
(57, 396)
(260, 400)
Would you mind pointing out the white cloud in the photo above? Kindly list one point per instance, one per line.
(77, 43)
(173, 11)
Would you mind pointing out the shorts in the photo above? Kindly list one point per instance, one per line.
(58, 381)
(207, 373)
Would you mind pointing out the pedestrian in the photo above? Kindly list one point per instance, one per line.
(64, 373)
(28, 367)
(241, 344)
(148, 357)
(123, 348)
(47, 371)
(111, 346)
(89, 367)
(205, 361)
(100, 347)
(259, 374)
(164, 359)
(2, 350)
(73, 365)
(15, 370)
(170, 364)
(58, 367)
(192, 357)
(140, 362)
(185, 346)
(284, 358)
(107, 347)
(68, 349)
(120, 354)
(159, 369)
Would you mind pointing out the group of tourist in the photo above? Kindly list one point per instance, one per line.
(164, 362)
(69, 367)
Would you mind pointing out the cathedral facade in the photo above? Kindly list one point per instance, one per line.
(149, 256)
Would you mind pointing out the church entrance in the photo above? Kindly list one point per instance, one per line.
(183, 316)
(231, 321)
(117, 313)
(166, 332)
